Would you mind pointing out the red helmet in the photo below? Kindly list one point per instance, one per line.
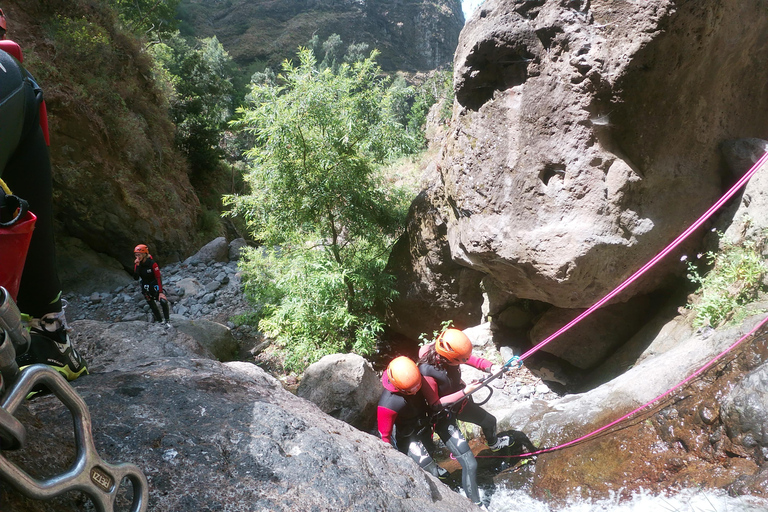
(454, 345)
(3, 26)
(404, 374)
(141, 248)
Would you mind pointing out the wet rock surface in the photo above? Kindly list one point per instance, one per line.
(212, 436)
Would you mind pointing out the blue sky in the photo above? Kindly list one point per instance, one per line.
(469, 6)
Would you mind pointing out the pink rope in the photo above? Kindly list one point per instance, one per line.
(649, 403)
(739, 184)
(735, 188)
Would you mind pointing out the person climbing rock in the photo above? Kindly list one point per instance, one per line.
(25, 169)
(439, 365)
(403, 414)
(145, 269)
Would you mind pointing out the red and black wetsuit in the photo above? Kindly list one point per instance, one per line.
(25, 167)
(409, 413)
(446, 383)
(446, 387)
(152, 286)
(408, 418)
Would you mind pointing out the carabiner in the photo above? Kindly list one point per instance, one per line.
(89, 473)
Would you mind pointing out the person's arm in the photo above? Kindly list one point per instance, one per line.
(480, 363)
(386, 420)
(156, 272)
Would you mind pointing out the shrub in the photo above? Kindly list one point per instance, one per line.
(734, 280)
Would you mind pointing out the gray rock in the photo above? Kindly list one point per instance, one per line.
(235, 246)
(212, 436)
(213, 251)
(560, 176)
(215, 337)
(84, 271)
(344, 386)
(190, 286)
(745, 413)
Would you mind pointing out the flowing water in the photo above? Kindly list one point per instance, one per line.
(689, 500)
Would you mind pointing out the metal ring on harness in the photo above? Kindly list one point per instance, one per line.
(89, 473)
(490, 394)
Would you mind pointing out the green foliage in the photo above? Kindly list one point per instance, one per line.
(201, 102)
(320, 137)
(426, 339)
(304, 303)
(438, 87)
(734, 280)
(86, 39)
(152, 18)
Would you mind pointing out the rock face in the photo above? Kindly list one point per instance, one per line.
(412, 35)
(212, 436)
(345, 387)
(584, 138)
(709, 434)
(118, 178)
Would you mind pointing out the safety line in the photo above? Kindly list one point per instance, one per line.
(650, 402)
(739, 184)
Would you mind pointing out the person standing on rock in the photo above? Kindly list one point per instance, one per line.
(145, 269)
(25, 169)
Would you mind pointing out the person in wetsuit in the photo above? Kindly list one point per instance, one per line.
(25, 168)
(439, 365)
(145, 269)
(404, 415)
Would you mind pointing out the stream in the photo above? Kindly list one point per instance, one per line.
(688, 500)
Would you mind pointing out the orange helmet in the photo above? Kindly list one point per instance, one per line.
(454, 345)
(403, 373)
(141, 248)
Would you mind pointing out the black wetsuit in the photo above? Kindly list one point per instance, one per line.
(407, 417)
(449, 381)
(25, 167)
(151, 287)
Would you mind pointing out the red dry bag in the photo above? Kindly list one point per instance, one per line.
(15, 235)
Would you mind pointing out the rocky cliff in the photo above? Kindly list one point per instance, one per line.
(585, 136)
(118, 177)
(412, 35)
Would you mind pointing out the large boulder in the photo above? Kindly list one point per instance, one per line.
(344, 386)
(214, 436)
(585, 136)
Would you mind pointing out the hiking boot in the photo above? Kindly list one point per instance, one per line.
(501, 442)
(51, 345)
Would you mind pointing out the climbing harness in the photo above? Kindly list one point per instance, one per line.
(89, 473)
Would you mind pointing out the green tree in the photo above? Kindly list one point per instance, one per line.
(201, 101)
(317, 199)
(153, 18)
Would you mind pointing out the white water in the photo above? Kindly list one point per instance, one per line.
(690, 500)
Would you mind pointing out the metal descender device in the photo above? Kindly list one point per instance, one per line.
(89, 473)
